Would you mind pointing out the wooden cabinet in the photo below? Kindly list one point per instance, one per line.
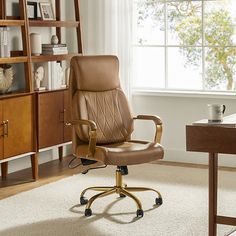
(52, 129)
(16, 118)
(67, 129)
(18, 113)
(17, 133)
(1, 132)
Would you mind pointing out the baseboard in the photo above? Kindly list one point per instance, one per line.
(180, 156)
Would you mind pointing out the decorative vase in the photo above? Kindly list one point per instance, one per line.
(54, 40)
(36, 44)
(6, 78)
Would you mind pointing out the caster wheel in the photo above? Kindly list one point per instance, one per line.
(140, 213)
(83, 200)
(88, 212)
(122, 195)
(159, 201)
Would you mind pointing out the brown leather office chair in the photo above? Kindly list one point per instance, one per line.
(103, 124)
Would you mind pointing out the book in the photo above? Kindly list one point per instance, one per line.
(55, 49)
(55, 53)
(58, 76)
(4, 42)
(53, 45)
(228, 121)
(1, 42)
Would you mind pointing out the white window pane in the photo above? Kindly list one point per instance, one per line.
(220, 68)
(184, 68)
(148, 67)
(220, 22)
(184, 19)
(148, 22)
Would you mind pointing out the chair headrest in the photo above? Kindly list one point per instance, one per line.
(95, 73)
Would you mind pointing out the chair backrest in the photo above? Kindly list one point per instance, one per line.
(96, 95)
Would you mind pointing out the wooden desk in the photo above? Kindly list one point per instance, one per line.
(213, 140)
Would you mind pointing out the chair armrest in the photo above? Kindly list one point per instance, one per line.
(92, 125)
(92, 134)
(156, 119)
(158, 123)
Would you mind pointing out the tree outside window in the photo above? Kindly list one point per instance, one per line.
(201, 33)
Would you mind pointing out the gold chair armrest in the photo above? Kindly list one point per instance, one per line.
(92, 125)
(92, 134)
(158, 123)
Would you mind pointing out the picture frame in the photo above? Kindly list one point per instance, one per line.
(46, 10)
(32, 10)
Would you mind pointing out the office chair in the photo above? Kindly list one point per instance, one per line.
(103, 124)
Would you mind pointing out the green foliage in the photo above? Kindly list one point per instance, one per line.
(185, 21)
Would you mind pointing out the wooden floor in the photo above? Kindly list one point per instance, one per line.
(21, 181)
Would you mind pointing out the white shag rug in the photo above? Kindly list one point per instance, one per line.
(54, 209)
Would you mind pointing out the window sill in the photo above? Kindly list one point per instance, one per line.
(188, 94)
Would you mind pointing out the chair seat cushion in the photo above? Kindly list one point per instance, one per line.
(125, 153)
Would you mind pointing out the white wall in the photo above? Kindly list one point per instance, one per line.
(176, 113)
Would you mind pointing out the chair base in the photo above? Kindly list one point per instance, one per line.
(120, 189)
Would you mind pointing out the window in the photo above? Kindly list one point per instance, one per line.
(184, 44)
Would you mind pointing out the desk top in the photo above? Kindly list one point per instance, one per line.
(211, 138)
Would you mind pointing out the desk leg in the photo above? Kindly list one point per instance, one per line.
(213, 164)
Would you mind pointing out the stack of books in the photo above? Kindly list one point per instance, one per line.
(4, 42)
(54, 49)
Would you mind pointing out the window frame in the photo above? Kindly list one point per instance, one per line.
(185, 92)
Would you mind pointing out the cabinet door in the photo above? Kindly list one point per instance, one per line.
(1, 132)
(50, 119)
(18, 112)
(67, 129)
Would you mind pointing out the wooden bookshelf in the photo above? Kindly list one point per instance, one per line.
(53, 23)
(43, 58)
(28, 104)
(12, 60)
(12, 22)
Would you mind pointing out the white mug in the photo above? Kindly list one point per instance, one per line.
(215, 112)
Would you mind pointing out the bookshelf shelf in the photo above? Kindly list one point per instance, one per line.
(7, 60)
(12, 22)
(51, 90)
(43, 58)
(53, 23)
(15, 94)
